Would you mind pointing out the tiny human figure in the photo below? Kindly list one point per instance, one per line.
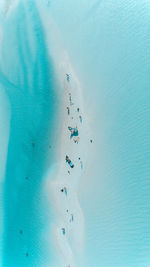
(33, 144)
(69, 172)
(69, 162)
(21, 232)
(72, 217)
(65, 190)
(68, 77)
(80, 118)
(27, 178)
(81, 164)
(27, 254)
(70, 100)
(91, 140)
(68, 109)
(78, 109)
(67, 210)
(74, 131)
(63, 231)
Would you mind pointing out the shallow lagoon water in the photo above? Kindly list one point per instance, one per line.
(27, 78)
(109, 45)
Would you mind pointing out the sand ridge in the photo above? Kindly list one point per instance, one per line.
(70, 229)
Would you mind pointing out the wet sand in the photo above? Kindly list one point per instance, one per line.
(69, 212)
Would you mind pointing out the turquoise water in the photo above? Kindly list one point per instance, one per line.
(109, 45)
(28, 78)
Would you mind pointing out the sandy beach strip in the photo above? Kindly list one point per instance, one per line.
(70, 229)
(65, 204)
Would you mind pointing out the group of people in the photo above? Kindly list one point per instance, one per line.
(74, 135)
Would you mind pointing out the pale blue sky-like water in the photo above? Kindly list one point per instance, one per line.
(108, 43)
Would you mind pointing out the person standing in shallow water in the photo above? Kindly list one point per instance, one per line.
(69, 162)
(81, 164)
(68, 77)
(72, 218)
(33, 144)
(21, 232)
(64, 190)
(80, 117)
(63, 231)
(68, 109)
